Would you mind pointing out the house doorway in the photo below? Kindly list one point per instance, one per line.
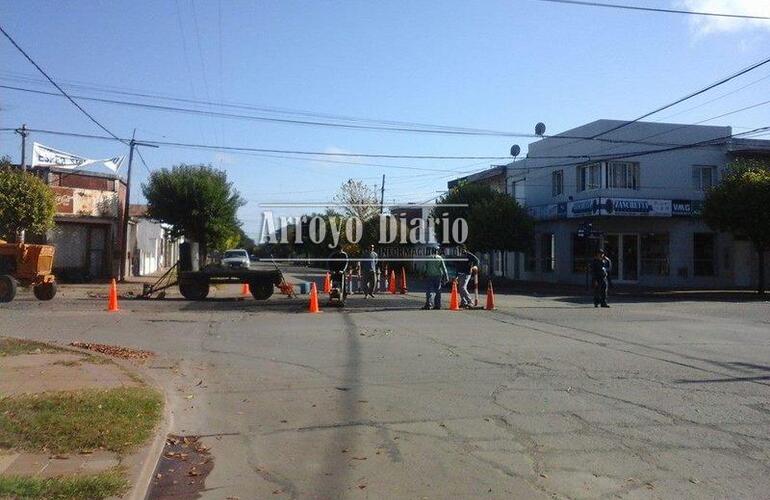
(623, 251)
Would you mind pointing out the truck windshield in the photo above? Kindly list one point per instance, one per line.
(232, 254)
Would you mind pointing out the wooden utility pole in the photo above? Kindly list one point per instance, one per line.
(124, 240)
(23, 132)
(382, 194)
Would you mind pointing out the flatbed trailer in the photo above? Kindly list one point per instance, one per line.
(194, 285)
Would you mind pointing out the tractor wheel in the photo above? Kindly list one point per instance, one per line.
(7, 288)
(261, 291)
(194, 290)
(45, 291)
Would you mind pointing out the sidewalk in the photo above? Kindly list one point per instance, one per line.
(69, 416)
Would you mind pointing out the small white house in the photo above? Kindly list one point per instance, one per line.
(151, 249)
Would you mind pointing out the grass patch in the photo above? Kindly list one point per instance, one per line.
(65, 422)
(12, 347)
(104, 484)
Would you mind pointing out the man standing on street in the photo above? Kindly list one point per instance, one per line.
(600, 270)
(468, 269)
(436, 274)
(369, 268)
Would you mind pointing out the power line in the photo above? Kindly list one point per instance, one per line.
(691, 95)
(219, 114)
(37, 66)
(280, 151)
(620, 156)
(300, 122)
(656, 9)
(272, 110)
(583, 158)
(679, 127)
(139, 152)
(722, 96)
(678, 101)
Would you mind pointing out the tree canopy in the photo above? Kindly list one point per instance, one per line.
(740, 204)
(197, 202)
(26, 203)
(495, 220)
(357, 200)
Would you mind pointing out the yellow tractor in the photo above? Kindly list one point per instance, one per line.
(26, 265)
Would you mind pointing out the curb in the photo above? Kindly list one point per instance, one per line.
(147, 456)
(141, 481)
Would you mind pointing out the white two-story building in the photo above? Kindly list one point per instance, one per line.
(640, 188)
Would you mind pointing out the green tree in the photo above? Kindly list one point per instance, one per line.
(26, 202)
(739, 205)
(495, 220)
(197, 202)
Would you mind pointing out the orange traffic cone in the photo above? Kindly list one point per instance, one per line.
(490, 297)
(112, 305)
(403, 280)
(328, 283)
(245, 289)
(454, 302)
(392, 282)
(313, 308)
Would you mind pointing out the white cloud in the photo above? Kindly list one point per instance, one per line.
(703, 26)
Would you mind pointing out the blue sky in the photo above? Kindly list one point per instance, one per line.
(502, 65)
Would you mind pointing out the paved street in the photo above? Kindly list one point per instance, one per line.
(545, 397)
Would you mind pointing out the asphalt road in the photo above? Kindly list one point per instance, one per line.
(545, 397)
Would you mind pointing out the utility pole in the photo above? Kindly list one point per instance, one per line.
(23, 165)
(124, 240)
(382, 195)
(23, 132)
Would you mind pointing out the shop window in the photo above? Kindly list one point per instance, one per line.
(581, 256)
(703, 177)
(547, 253)
(623, 174)
(655, 254)
(589, 177)
(557, 183)
(703, 254)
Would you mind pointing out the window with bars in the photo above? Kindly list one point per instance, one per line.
(623, 175)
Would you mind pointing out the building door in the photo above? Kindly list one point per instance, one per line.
(97, 251)
(623, 250)
(611, 246)
(630, 257)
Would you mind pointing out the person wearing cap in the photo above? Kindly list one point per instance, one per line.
(600, 269)
(436, 274)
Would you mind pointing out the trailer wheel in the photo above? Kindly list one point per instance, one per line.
(7, 288)
(45, 291)
(261, 291)
(194, 290)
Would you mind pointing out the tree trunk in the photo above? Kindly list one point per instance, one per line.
(202, 253)
(761, 278)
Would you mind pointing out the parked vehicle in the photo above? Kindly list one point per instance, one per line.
(26, 265)
(237, 258)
